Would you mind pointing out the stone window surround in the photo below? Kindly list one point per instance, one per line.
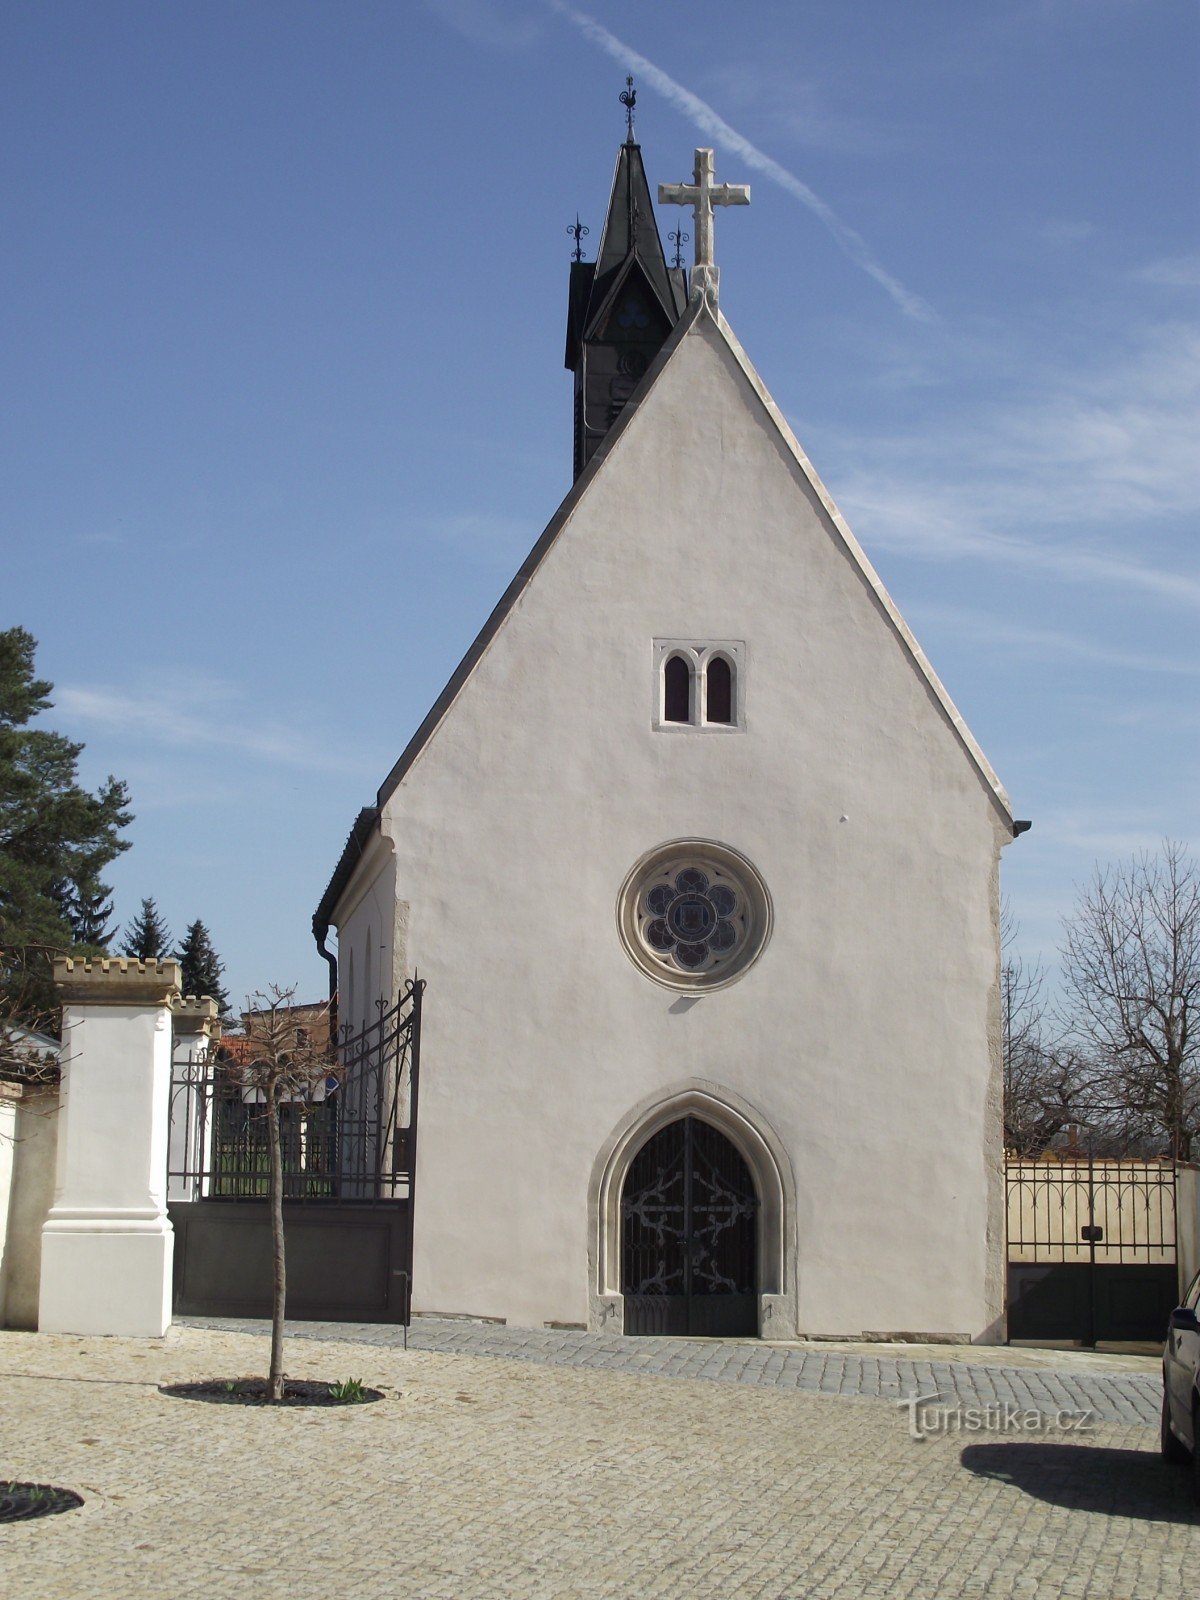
(698, 654)
(758, 913)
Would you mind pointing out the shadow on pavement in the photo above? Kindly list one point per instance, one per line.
(1116, 1483)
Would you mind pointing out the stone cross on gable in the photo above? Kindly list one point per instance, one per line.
(702, 194)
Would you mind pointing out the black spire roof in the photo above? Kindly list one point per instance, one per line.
(621, 308)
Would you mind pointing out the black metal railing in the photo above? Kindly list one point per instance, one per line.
(349, 1135)
(1108, 1211)
(1091, 1250)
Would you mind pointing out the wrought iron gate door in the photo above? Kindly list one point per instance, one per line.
(689, 1218)
(1091, 1250)
(349, 1149)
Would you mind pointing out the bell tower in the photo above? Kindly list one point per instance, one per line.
(623, 305)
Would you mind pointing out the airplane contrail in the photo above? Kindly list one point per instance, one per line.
(702, 115)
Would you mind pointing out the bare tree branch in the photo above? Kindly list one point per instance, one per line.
(1131, 976)
(30, 1016)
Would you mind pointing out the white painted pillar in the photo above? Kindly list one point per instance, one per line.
(107, 1246)
(189, 1145)
(10, 1094)
(1187, 1221)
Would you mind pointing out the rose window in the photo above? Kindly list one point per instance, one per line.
(693, 916)
(692, 919)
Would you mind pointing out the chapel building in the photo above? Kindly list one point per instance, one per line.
(701, 867)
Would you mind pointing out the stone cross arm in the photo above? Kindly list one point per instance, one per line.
(702, 194)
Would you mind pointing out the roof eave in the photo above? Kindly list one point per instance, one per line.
(352, 852)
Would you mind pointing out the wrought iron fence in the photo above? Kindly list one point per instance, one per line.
(1111, 1212)
(1091, 1250)
(349, 1136)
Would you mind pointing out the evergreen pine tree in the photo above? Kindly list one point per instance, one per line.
(55, 837)
(202, 968)
(90, 913)
(148, 938)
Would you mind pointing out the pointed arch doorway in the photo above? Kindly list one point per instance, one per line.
(689, 1235)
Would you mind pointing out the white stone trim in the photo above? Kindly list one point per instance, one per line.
(762, 1150)
(698, 655)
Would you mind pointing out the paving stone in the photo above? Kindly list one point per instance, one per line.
(976, 1379)
(498, 1467)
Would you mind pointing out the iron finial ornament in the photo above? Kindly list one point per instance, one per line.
(678, 238)
(577, 231)
(628, 98)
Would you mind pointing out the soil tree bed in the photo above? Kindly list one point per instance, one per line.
(21, 1501)
(253, 1392)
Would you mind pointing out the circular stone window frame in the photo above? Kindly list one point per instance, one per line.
(680, 853)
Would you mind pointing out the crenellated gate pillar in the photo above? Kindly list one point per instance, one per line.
(107, 1245)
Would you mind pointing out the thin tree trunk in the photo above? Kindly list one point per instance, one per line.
(279, 1287)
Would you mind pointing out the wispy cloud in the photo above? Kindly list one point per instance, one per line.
(164, 719)
(104, 538)
(485, 24)
(1102, 832)
(942, 521)
(801, 113)
(702, 116)
(1050, 481)
(1063, 231)
(483, 532)
(981, 628)
(1171, 272)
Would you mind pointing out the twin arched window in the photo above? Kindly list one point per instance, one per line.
(699, 688)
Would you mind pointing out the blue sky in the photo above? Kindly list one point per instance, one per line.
(285, 289)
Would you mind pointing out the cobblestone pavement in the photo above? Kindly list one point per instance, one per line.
(478, 1478)
(968, 1375)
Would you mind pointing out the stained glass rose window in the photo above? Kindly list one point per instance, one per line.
(694, 914)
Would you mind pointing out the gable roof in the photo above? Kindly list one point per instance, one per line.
(700, 312)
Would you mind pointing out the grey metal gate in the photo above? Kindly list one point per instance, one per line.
(349, 1163)
(1091, 1250)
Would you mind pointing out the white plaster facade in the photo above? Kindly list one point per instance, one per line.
(28, 1147)
(856, 1063)
(107, 1244)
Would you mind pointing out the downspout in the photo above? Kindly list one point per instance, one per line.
(320, 934)
(367, 818)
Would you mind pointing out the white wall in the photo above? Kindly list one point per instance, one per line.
(370, 967)
(1187, 1222)
(107, 1243)
(28, 1144)
(866, 1035)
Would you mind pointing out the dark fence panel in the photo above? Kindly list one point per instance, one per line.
(349, 1176)
(1074, 1300)
(344, 1263)
(1091, 1250)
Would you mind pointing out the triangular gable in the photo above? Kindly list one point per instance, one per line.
(610, 301)
(697, 311)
